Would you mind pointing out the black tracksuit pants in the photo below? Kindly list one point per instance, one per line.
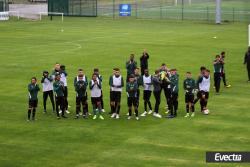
(45, 97)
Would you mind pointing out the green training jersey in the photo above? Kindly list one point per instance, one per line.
(189, 85)
(33, 91)
(174, 83)
(58, 88)
(80, 88)
(131, 89)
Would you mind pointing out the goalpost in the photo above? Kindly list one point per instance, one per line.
(14, 13)
(51, 13)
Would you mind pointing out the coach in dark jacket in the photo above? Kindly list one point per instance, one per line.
(247, 62)
(144, 61)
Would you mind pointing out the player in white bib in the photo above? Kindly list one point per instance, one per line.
(116, 83)
(96, 92)
(204, 88)
(147, 86)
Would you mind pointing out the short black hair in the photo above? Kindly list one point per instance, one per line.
(217, 56)
(96, 70)
(131, 76)
(80, 69)
(203, 68)
(188, 72)
(163, 64)
(222, 53)
(62, 66)
(157, 71)
(173, 69)
(33, 78)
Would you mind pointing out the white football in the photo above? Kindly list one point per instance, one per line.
(206, 112)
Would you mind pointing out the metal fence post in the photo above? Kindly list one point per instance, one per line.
(113, 9)
(182, 10)
(207, 13)
(233, 15)
(136, 9)
(161, 9)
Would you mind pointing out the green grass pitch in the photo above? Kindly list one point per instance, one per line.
(29, 47)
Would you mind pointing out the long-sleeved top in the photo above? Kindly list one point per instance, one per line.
(189, 85)
(131, 89)
(47, 83)
(144, 60)
(95, 88)
(80, 88)
(247, 58)
(138, 79)
(116, 83)
(85, 79)
(58, 88)
(131, 66)
(147, 82)
(217, 66)
(33, 91)
(174, 83)
(64, 77)
(204, 83)
(156, 83)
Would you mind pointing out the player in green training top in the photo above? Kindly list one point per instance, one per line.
(81, 99)
(189, 86)
(131, 65)
(131, 89)
(218, 63)
(174, 89)
(58, 87)
(33, 89)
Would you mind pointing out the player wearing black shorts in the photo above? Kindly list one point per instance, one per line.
(58, 87)
(99, 77)
(116, 83)
(81, 99)
(95, 88)
(201, 74)
(33, 89)
(147, 86)
(204, 87)
(131, 90)
(85, 79)
(189, 86)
